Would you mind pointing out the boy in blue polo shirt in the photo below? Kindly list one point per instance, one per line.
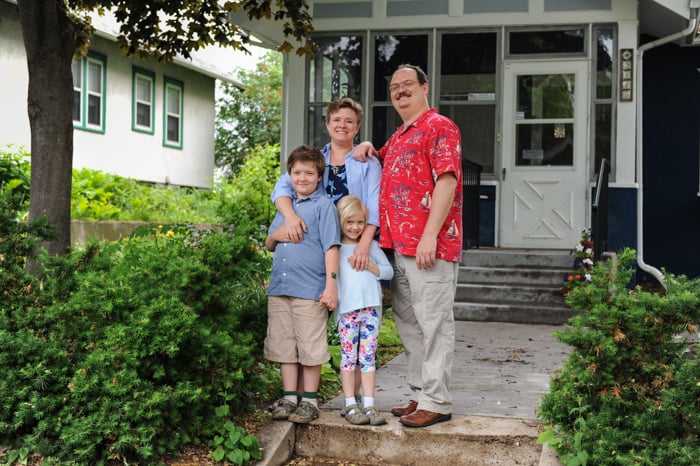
(302, 287)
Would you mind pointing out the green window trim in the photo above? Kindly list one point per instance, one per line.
(91, 104)
(173, 112)
(143, 105)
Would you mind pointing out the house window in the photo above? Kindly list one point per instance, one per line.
(143, 96)
(390, 51)
(335, 71)
(467, 91)
(604, 98)
(547, 42)
(172, 113)
(89, 84)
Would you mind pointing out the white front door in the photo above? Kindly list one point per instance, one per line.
(544, 174)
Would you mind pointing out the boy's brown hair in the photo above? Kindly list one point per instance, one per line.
(306, 153)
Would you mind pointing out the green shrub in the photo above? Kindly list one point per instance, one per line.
(143, 340)
(245, 201)
(14, 177)
(18, 243)
(102, 196)
(629, 393)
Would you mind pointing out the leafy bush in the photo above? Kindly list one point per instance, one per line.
(14, 177)
(629, 393)
(102, 196)
(138, 344)
(247, 203)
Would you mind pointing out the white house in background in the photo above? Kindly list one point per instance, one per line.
(542, 91)
(135, 118)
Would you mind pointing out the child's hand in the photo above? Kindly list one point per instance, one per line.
(329, 297)
(294, 228)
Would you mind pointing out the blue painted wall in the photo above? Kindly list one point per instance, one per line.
(671, 138)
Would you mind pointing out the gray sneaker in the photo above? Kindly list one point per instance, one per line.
(305, 413)
(354, 415)
(283, 409)
(358, 401)
(375, 419)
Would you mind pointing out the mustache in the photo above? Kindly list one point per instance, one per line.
(403, 94)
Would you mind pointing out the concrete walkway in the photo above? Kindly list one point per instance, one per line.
(500, 372)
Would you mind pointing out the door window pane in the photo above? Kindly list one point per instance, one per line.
(545, 96)
(544, 144)
(390, 51)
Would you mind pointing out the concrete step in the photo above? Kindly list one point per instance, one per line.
(512, 258)
(513, 285)
(510, 294)
(464, 440)
(514, 313)
(504, 275)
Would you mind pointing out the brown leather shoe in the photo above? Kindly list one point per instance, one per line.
(423, 418)
(408, 408)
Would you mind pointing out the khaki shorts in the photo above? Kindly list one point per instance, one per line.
(296, 331)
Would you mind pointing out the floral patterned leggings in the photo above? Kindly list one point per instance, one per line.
(359, 331)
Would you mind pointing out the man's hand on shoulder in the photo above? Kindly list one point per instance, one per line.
(363, 151)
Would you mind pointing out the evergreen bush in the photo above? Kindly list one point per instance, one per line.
(629, 392)
(133, 347)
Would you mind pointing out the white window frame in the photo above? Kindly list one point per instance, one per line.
(170, 113)
(142, 75)
(89, 90)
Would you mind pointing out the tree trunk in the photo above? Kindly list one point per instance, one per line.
(49, 41)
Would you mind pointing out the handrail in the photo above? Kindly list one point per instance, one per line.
(599, 231)
(471, 182)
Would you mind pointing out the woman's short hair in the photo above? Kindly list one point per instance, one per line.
(344, 102)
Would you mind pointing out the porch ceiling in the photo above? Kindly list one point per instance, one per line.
(660, 18)
(657, 18)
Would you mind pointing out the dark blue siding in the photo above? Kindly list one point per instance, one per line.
(671, 141)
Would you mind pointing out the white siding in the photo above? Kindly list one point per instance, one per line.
(119, 150)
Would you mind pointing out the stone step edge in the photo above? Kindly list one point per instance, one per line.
(278, 438)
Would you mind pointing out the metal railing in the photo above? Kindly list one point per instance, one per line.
(599, 232)
(471, 181)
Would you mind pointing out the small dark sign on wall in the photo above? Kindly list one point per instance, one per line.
(626, 74)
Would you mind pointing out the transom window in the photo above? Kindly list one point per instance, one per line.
(562, 41)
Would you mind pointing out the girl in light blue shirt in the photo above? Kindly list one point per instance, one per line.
(359, 312)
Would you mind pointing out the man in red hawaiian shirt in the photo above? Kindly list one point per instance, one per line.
(420, 209)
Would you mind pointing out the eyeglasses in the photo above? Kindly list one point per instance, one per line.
(400, 86)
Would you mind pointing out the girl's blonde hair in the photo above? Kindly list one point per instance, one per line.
(350, 205)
